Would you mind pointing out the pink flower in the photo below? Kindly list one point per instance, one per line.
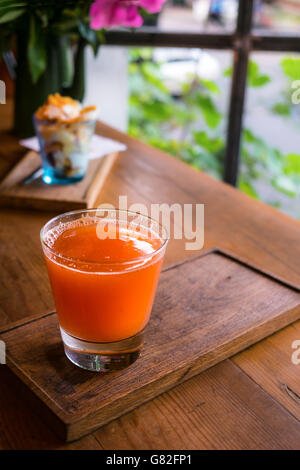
(107, 13)
(153, 6)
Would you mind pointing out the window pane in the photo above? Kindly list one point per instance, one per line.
(178, 102)
(271, 140)
(196, 15)
(277, 16)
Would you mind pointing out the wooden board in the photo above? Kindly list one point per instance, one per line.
(38, 195)
(219, 408)
(206, 310)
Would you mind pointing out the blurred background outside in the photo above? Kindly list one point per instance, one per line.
(177, 99)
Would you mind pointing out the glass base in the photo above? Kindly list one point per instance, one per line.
(102, 357)
(50, 177)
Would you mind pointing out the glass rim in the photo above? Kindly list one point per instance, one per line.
(133, 261)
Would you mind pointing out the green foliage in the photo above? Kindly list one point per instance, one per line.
(36, 51)
(259, 160)
(283, 109)
(292, 165)
(247, 188)
(291, 68)
(92, 37)
(169, 123)
(41, 21)
(208, 109)
(212, 145)
(254, 77)
(211, 86)
(289, 181)
(191, 126)
(10, 10)
(10, 15)
(66, 62)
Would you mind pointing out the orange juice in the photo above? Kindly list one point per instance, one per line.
(104, 291)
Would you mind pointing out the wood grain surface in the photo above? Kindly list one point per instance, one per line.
(61, 198)
(206, 309)
(220, 408)
(223, 407)
(24, 286)
(270, 364)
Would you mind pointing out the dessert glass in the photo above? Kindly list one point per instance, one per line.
(64, 149)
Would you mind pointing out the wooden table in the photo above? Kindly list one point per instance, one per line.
(249, 401)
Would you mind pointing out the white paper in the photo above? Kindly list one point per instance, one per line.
(100, 146)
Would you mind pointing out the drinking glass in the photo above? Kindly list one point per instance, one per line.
(64, 149)
(103, 301)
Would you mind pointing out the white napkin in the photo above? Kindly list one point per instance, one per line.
(100, 146)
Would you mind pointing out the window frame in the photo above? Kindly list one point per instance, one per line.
(242, 41)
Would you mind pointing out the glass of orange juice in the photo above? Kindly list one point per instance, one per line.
(103, 266)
